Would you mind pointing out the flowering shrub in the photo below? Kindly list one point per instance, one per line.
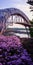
(9, 41)
(12, 52)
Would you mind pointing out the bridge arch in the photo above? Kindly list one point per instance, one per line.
(13, 12)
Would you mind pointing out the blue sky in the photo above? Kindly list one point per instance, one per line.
(10, 3)
(20, 4)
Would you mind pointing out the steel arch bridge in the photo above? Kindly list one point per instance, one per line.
(13, 15)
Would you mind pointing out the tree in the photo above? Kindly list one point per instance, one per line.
(31, 28)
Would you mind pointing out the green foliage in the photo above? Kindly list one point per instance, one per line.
(31, 32)
(31, 29)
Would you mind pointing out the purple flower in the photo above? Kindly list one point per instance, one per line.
(0, 63)
(12, 52)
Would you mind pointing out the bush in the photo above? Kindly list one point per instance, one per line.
(31, 30)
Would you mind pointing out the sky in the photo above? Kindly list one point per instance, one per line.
(20, 4)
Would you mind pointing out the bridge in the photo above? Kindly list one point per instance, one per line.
(14, 22)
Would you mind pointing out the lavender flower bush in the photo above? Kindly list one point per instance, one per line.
(12, 52)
